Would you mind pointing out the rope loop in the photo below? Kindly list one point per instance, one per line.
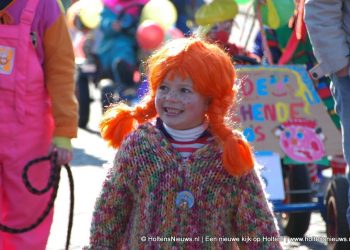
(53, 183)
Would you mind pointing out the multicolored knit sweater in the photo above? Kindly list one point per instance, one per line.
(137, 206)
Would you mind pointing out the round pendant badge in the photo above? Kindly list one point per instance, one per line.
(184, 200)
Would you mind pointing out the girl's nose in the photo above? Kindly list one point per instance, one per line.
(172, 96)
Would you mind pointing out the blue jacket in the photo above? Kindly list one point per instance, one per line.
(117, 44)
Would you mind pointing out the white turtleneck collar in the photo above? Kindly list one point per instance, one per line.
(187, 134)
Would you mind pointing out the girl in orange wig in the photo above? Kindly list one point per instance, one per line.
(186, 173)
(213, 76)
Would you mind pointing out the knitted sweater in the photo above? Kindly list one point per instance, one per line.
(137, 205)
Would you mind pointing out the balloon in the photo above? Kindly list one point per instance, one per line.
(72, 12)
(216, 11)
(90, 13)
(162, 12)
(276, 13)
(149, 35)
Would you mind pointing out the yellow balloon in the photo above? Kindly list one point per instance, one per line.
(72, 12)
(162, 12)
(216, 11)
(90, 13)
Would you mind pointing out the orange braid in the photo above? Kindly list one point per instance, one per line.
(237, 153)
(120, 119)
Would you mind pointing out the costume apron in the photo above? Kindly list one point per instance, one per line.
(26, 127)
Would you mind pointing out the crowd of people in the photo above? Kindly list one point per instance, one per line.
(181, 169)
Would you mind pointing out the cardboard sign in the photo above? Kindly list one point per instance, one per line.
(271, 174)
(280, 111)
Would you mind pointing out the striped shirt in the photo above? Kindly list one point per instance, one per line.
(185, 148)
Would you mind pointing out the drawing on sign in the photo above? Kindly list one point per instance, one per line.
(273, 96)
(301, 140)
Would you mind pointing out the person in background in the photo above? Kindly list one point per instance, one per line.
(277, 40)
(183, 172)
(220, 33)
(215, 20)
(272, 42)
(117, 51)
(328, 26)
(185, 11)
(182, 16)
(38, 114)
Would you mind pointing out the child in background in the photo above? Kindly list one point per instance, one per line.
(185, 174)
(117, 50)
(220, 33)
(215, 20)
(38, 111)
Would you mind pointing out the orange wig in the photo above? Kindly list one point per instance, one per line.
(213, 76)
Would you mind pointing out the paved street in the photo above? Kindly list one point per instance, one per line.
(91, 157)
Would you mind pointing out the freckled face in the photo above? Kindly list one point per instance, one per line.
(179, 105)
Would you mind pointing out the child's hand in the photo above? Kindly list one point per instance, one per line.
(116, 26)
(64, 156)
(63, 147)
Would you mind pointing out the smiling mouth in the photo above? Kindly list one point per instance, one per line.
(172, 111)
(305, 153)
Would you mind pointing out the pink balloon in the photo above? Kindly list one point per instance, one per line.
(175, 33)
(149, 35)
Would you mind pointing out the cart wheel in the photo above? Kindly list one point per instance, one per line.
(336, 205)
(296, 177)
(84, 100)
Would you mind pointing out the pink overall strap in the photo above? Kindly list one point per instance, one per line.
(25, 25)
(28, 12)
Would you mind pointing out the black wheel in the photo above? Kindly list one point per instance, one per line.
(83, 96)
(296, 177)
(336, 206)
(108, 95)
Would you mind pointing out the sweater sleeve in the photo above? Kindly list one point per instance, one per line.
(324, 21)
(59, 76)
(254, 218)
(113, 207)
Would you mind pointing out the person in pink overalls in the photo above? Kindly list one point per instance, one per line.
(38, 111)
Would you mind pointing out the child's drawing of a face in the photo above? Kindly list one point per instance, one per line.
(179, 105)
(301, 140)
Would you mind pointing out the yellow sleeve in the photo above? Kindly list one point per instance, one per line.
(59, 70)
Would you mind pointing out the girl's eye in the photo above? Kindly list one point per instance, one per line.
(185, 90)
(162, 87)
